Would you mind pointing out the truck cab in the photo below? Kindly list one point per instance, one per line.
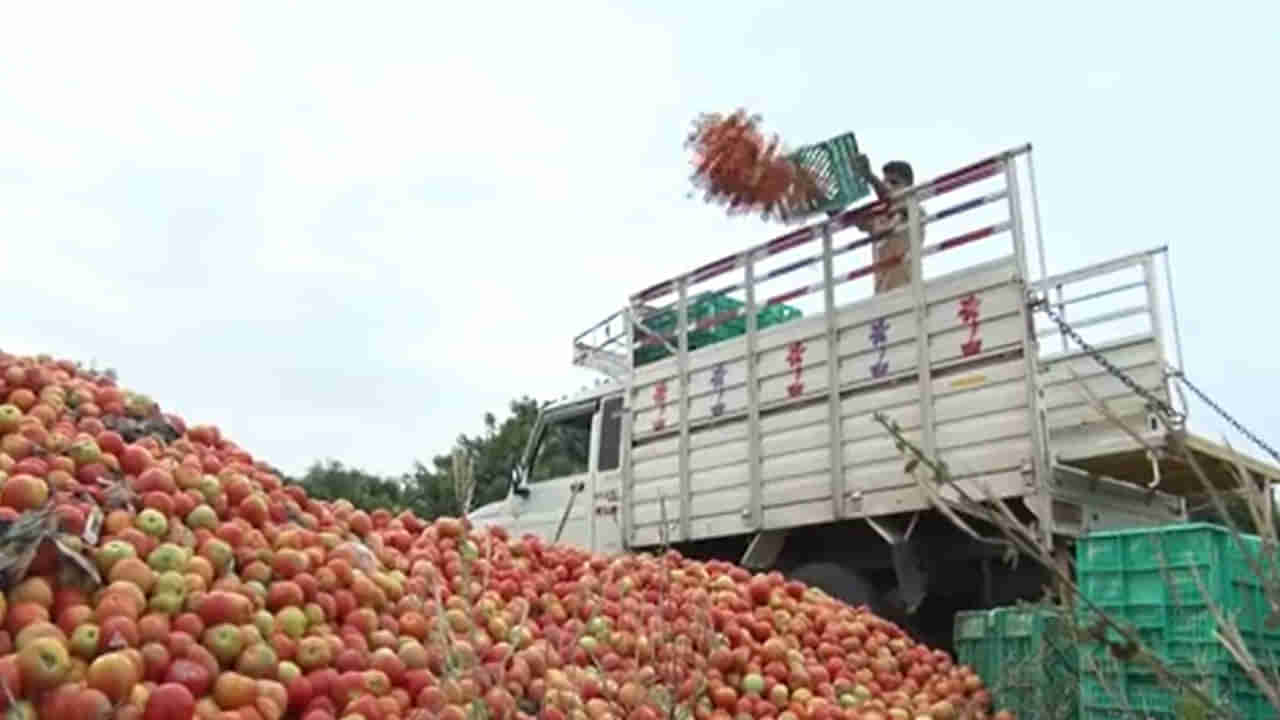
(748, 407)
(573, 456)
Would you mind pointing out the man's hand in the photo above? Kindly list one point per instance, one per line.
(862, 165)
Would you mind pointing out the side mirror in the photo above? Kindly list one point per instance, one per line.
(517, 482)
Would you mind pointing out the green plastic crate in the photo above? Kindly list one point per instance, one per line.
(1024, 656)
(1111, 690)
(1156, 580)
(832, 162)
(664, 321)
(772, 315)
(701, 306)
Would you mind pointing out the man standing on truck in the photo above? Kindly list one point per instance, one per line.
(898, 175)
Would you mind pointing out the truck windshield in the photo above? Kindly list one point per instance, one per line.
(565, 448)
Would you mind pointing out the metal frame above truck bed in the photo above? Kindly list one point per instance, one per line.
(955, 357)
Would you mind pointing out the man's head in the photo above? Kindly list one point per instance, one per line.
(898, 174)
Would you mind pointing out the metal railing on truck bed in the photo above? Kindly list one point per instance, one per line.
(1110, 338)
(771, 427)
(750, 439)
(1108, 355)
(609, 345)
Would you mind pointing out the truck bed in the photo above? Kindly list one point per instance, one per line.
(981, 418)
(775, 428)
(980, 414)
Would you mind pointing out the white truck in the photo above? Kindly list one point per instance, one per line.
(731, 434)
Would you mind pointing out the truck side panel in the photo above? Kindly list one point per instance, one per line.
(859, 352)
(980, 409)
(1113, 306)
(980, 415)
(1076, 428)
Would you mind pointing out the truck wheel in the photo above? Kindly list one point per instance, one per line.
(839, 582)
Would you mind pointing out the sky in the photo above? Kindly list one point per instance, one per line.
(348, 231)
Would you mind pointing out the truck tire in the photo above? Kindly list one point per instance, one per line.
(839, 582)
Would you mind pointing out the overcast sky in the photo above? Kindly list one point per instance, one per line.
(349, 230)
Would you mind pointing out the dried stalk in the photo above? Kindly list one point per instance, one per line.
(1227, 633)
(464, 481)
(666, 695)
(1023, 539)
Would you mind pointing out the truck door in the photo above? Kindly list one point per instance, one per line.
(557, 495)
(606, 520)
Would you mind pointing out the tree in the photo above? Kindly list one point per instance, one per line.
(331, 480)
(493, 452)
(428, 489)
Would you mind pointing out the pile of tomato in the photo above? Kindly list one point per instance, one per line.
(156, 570)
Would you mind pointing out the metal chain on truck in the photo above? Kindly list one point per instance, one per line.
(1162, 406)
(1172, 417)
(1226, 416)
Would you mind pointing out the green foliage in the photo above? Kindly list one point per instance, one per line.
(429, 490)
(495, 451)
(331, 480)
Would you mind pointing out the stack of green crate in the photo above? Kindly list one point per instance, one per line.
(1024, 656)
(1159, 582)
(665, 321)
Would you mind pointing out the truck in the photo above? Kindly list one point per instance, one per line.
(729, 423)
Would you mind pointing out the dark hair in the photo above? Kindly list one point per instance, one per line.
(901, 169)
